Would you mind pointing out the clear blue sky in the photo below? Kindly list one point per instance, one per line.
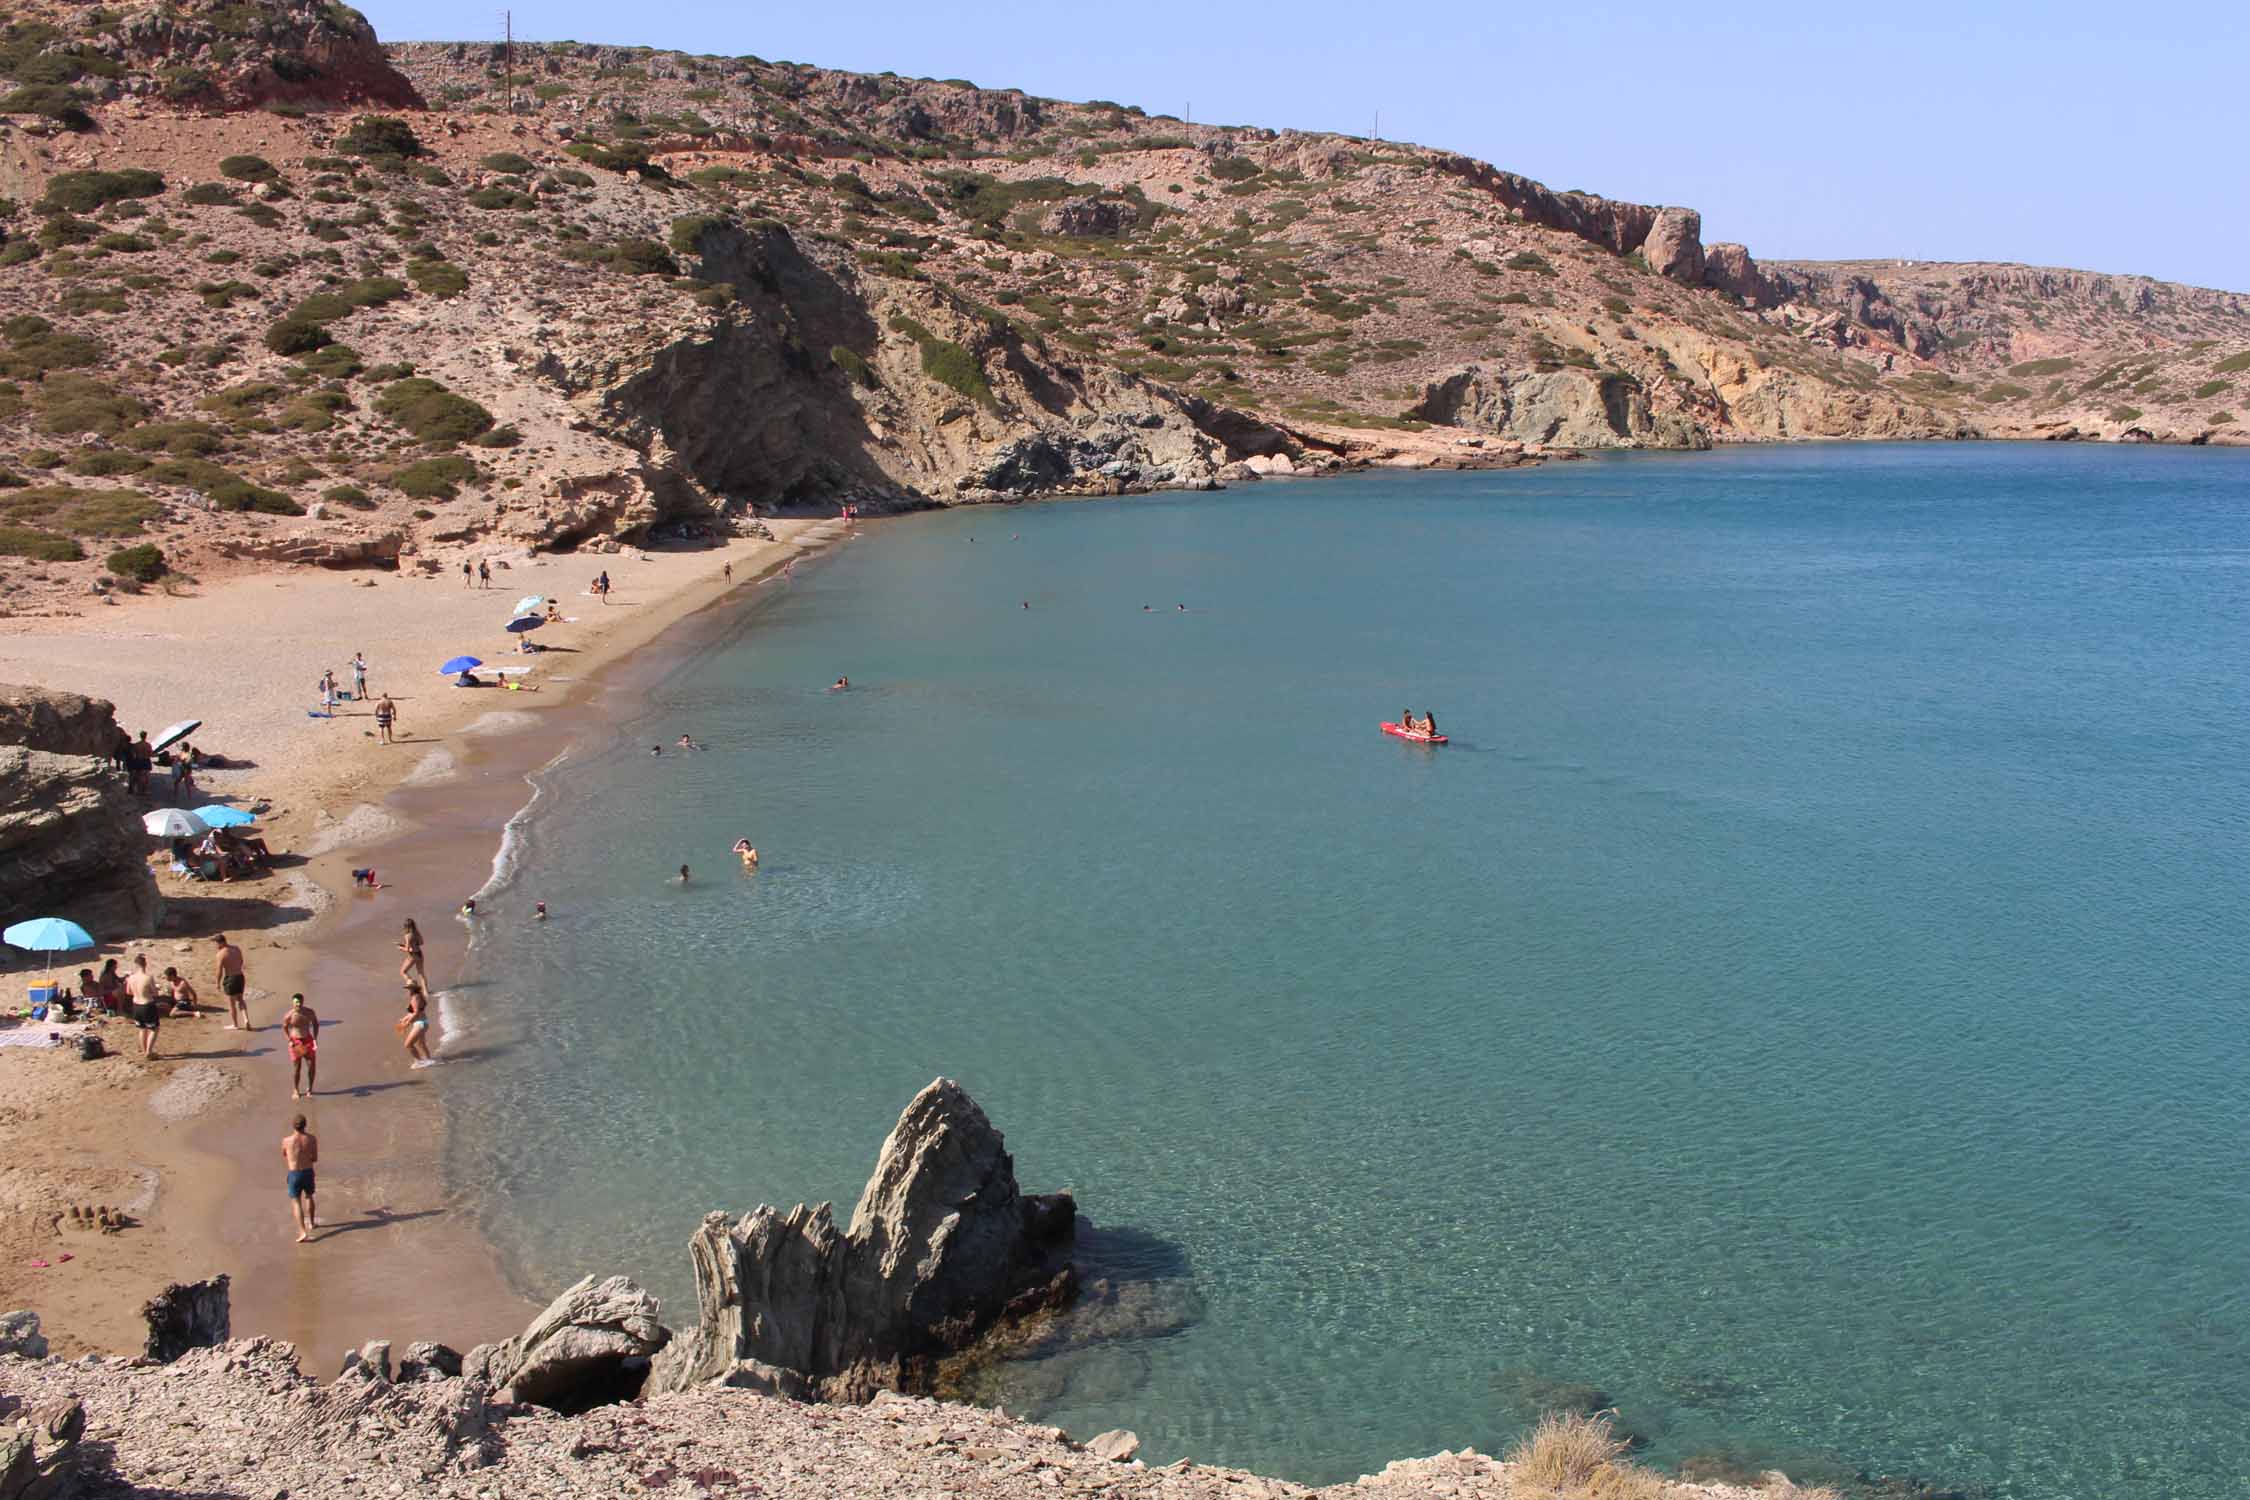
(2112, 137)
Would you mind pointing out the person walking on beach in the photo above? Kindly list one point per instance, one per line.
(386, 719)
(302, 1027)
(484, 574)
(233, 984)
(414, 1027)
(410, 944)
(359, 677)
(328, 692)
(468, 574)
(141, 986)
(300, 1150)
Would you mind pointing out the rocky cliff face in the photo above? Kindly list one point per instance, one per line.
(71, 842)
(1556, 408)
(219, 54)
(942, 1246)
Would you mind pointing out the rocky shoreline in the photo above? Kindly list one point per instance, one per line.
(596, 1397)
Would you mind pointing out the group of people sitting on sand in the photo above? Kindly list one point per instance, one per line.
(223, 854)
(172, 995)
(1427, 724)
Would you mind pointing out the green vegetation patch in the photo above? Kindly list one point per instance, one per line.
(62, 508)
(2001, 390)
(65, 106)
(212, 195)
(2038, 369)
(83, 192)
(434, 478)
(431, 412)
(948, 363)
(142, 564)
(1528, 260)
(687, 233)
(852, 364)
(72, 404)
(35, 348)
(439, 278)
(2124, 414)
(510, 162)
(382, 139)
(249, 169)
(2233, 364)
(2210, 388)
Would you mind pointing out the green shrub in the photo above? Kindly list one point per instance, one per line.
(65, 229)
(383, 139)
(294, 335)
(641, 258)
(34, 348)
(2001, 390)
(143, 564)
(498, 197)
(855, 366)
(40, 546)
(76, 512)
(349, 495)
(2233, 364)
(2124, 414)
(103, 463)
(953, 366)
(385, 374)
(264, 215)
(501, 437)
(65, 106)
(434, 478)
(72, 404)
(439, 278)
(237, 403)
(124, 244)
(335, 362)
(83, 192)
(373, 291)
(1232, 168)
(2210, 388)
(2034, 369)
(510, 162)
(314, 411)
(16, 252)
(180, 439)
(2220, 418)
(249, 169)
(1527, 260)
(212, 195)
(431, 412)
(242, 495)
(687, 233)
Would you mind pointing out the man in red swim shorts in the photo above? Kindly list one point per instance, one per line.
(302, 1027)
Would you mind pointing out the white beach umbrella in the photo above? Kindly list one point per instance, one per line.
(530, 603)
(174, 823)
(175, 734)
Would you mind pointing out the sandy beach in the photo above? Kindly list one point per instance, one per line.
(186, 1144)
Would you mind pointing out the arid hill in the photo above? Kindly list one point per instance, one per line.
(272, 290)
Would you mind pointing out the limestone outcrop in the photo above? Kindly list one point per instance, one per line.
(1728, 267)
(943, 1246)
(1674, 246)
(1568, 408)
(226, 56)
(588, 1345)
(59, 723)
(71, 843)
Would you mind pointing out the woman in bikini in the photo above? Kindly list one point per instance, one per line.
(410, 944)
(414, 1027)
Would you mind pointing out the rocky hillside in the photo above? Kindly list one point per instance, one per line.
(269, 290)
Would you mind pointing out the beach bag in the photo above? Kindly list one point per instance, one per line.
(89, 1048)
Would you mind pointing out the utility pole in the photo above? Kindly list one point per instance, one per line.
(1378, 125)
(508, 56)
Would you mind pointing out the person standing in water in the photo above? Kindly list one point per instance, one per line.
(683, 874)
(300, 1150)
(414, 1027)
(301, 1025)
(410, 944)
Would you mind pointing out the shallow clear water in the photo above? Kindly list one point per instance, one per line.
(1804, 1002)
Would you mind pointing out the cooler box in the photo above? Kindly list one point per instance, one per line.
(41, 994)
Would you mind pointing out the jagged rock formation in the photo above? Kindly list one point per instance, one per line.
(40, 1458)
(576, 1351)
(188, 1315)
(71, 842)
(219, 54)
(1560, 408)
(942, 1246)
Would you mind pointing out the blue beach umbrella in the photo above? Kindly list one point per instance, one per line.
(522, 623)
(219, 815)
(460, 664)
(47, 935)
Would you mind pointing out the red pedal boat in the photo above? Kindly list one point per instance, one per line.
(1416, 735)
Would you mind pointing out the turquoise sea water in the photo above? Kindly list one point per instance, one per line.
(1806, 1001)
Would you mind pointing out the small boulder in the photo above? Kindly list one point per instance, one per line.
(1118, 1445)
(20, 1335)
(187, 1315)
(590, 1345)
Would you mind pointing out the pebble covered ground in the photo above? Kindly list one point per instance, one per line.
(240, 1420)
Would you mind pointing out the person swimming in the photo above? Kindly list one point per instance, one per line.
(683, 874)
(538, 911)
(839, 684)
(749, 854)
(687, 742)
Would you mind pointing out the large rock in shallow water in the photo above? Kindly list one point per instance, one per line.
(942, 1246)
(582, 1350)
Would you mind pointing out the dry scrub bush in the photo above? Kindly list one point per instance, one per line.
(1565, 1449)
